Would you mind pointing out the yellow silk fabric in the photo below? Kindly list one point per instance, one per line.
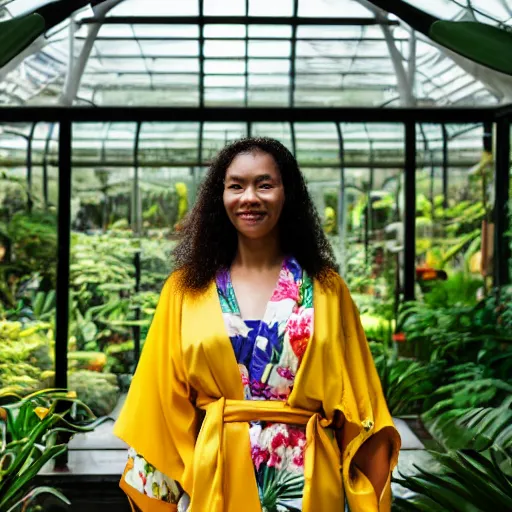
(186, 415)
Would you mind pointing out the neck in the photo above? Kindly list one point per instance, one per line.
(258, 254)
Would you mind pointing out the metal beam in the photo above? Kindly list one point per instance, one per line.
(29, 166)
(201, 58)
(136, 328)
(252, 38)
(501, 222)
(342, 207)
(241, 57)
(246, 57)
(410, 211)
(136, 213)
(76, 67)
(293, 43)
(235, 20)
(63, 256)
(45, 165)
(293, 139)
(253, 114)
(445, 166)
(390, 165)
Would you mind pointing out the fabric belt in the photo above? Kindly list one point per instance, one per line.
(322, 486)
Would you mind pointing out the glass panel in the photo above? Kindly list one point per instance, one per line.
(224, 31)
(142, 31)
(214, 48)
(270, 8)
(219, 66)
(326, 8)
(155, 8)
(284, 31)
(217, 135)
(28, 256)
(269, 49)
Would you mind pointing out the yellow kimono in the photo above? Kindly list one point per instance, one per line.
(185, 412)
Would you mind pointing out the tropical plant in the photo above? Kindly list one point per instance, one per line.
(459, 333)
(463, 481)
(25, 353)
(475, 474)
(279, 488)
(407, 384)
(29, 432)
(30, 253)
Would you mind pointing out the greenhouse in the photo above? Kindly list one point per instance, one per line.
(111, 115)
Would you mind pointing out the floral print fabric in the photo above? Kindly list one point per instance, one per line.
(269, 352)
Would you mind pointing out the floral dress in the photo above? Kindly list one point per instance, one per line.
(269, 352)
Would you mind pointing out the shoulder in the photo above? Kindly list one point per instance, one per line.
(173, 285)
(176, 286)
(332, 283)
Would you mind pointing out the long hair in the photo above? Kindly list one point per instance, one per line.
(208, 240)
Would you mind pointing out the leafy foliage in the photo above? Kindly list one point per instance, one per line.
(407, 384)
(469, 481)
(279, 489)
(28, 440)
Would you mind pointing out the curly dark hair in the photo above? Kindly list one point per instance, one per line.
(208, 240)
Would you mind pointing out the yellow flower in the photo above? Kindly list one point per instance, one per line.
(41, 412)
(71, 394)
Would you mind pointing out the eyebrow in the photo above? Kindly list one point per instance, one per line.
(259, 179)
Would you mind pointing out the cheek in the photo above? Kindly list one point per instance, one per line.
(229, 202)
(279, 203)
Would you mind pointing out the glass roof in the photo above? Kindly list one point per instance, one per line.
(248, 53)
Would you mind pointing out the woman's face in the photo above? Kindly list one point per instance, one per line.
(253, 194)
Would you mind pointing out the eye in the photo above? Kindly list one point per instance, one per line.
(266, 186)
(235, 186)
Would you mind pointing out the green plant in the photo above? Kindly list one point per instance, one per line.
(407, 384)
(460, 289)
(25, 352)
(459, 333)
(29, 431)
(31, 241)
(98, 390)
(464, 481)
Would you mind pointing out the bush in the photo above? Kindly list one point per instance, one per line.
(98, 390)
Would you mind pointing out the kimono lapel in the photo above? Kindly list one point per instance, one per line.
(207, 348)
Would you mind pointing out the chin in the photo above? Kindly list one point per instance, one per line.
(252, 235)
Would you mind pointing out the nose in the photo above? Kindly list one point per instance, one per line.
(250, 195)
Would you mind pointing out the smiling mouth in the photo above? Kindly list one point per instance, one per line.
(251, 216)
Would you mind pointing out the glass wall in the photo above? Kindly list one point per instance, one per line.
(28, 255)
(132, 185)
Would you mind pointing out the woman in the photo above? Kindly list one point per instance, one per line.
(244, 403)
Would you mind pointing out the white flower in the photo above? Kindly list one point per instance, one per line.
(254, 433)
(261, 342)
(235, 325)
(133, 479)
(148, 488)
(279, 312)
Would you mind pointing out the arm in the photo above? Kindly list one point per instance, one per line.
(159, 419)
(370, 442)
(373, 459)
(149, 489)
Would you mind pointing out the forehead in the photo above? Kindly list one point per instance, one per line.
(252, 165)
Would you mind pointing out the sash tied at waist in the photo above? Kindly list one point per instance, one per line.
(223, 478)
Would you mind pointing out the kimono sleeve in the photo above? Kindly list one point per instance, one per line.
(371, 411)
(158, 419)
